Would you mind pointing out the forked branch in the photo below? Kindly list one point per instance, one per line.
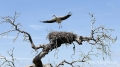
(27, 36)
(8, 62)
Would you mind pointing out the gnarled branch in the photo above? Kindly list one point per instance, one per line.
(12, 20)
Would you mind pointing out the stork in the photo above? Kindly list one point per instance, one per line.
(58, 19)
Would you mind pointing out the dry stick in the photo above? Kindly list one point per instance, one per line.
(12, 22)
(82, 60)
(11, 62)
(70, 63)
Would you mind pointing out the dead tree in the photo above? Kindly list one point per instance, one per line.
(97, 37)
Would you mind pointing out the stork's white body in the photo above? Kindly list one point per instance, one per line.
(58, 19)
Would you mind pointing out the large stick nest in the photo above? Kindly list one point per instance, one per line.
(57, 38)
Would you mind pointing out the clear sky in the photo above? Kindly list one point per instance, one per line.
(107, 13)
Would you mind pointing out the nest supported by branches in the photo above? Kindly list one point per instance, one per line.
(57, 38)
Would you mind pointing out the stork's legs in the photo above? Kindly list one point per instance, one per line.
(60, 26)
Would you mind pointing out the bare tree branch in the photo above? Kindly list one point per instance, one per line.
(83, 56)
(27, 36)
(8, 62)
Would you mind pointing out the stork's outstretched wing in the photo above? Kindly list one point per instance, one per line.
(65, 17)
(49, 21)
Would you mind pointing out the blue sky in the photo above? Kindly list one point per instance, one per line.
(107, 13)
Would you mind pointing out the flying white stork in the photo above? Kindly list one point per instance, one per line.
(58, 19)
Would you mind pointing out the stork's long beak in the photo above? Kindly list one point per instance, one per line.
(54, 16)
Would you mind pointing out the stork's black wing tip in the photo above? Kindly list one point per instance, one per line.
(43, 21)
(47, 21)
